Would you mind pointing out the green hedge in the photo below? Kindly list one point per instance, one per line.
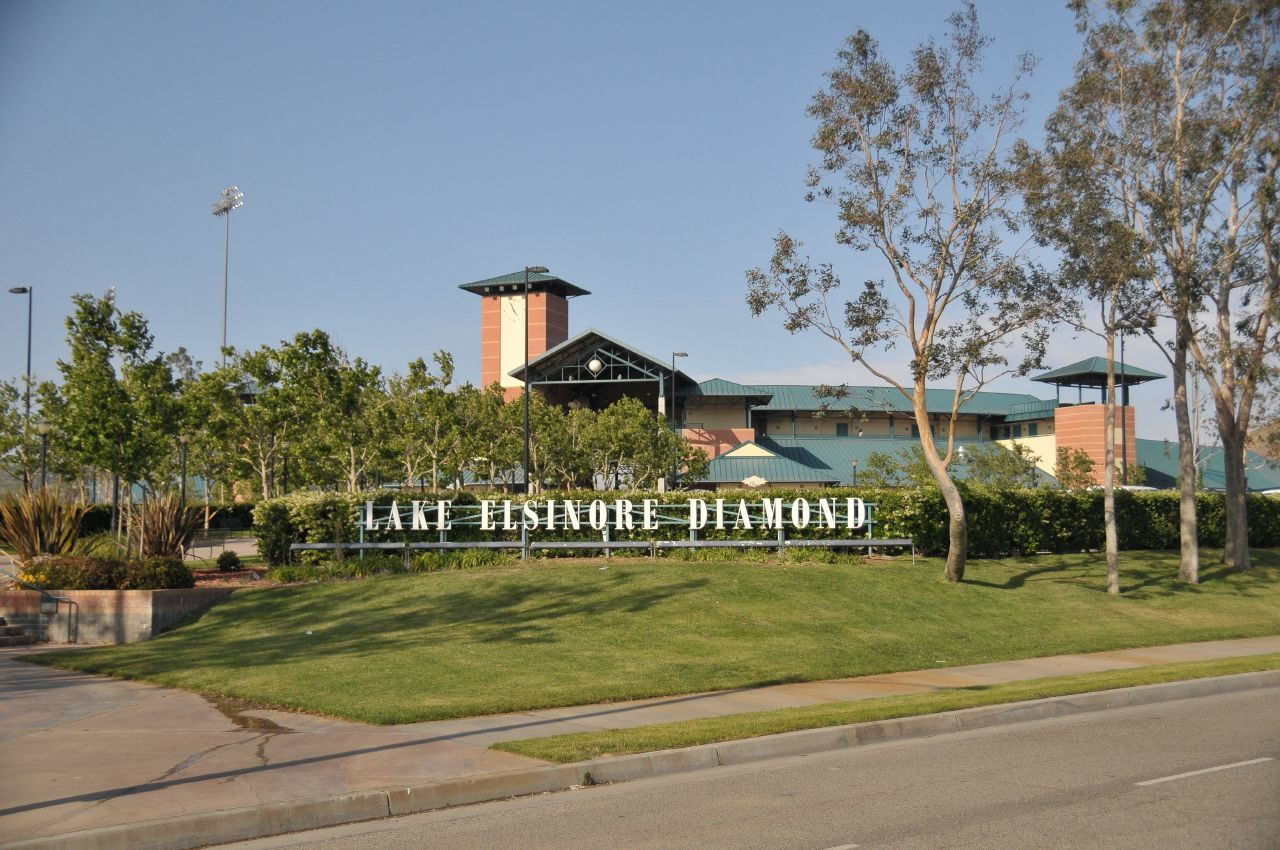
(1001, 522)
(240, 515)
(73, 572)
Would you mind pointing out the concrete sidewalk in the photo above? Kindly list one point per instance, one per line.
(84, 753)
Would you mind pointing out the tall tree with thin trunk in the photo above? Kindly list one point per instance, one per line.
(917, 164)
(1100, 257)
(1183, 145)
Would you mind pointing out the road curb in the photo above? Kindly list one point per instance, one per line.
(190, 831)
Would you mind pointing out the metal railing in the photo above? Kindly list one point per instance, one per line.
(73, 607)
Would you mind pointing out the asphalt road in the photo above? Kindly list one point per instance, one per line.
(1112, 779)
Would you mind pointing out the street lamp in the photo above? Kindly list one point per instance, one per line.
(528, 270)
(43, 429)
(182, 447)
(232, 199)
(26, 421)
(675, 456)
(855, 472)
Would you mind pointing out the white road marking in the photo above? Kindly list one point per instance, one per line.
(843, 847)
(1205, 770)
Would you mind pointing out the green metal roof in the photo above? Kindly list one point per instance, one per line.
(1092, 372)
(720, 388)
(775, 470)
(825, 459)
(886, 400)
(1160, 457)
(515, 282)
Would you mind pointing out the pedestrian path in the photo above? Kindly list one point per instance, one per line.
(82, 752)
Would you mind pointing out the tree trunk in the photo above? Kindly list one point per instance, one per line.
(1109, 465)
(1188, 533)
(958, 526)
(1236, 553)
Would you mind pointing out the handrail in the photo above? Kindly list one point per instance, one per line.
(57, 600)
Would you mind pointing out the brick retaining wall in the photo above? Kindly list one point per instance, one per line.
(109, 616)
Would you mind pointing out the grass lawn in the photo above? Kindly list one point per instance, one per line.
(450, 644)
(665, 736)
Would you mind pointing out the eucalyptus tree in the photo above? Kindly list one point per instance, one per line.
(1184, 99)
(917, 164)
(1100, 256)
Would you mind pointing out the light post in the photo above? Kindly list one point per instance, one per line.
(855, 472)
(26, 421)
(527, 271)
(232, 199)
(182, 450)
(43, 429)
(675, 454)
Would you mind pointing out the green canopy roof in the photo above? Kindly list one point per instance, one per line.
(1092, 372)
(514, 282)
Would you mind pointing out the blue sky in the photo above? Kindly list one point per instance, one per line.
(389, 151)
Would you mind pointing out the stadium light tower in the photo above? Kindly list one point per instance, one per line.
(232, 199)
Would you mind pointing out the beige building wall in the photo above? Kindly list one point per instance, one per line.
(712, 416)
(874, 425)
(511, 333)
(1044, 447)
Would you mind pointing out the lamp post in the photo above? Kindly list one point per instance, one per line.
(232, 199)
(528, 270)
(26, 421)
(675, 454)
(855, 472)
(43, 429)
(182, 450)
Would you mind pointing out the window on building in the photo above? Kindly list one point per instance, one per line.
(915, 430)
(1033, 429)
(842, 429)
(1017, 432)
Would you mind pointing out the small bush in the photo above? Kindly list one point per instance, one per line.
(157, 574)
(229, 561)
(76, 572)
(291, 573)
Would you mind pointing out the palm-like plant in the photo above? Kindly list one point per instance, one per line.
(39, 523)
(165, 526)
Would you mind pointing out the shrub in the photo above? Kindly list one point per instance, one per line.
(76, 572)
(157, 574)
(79, 572)
(229, 561)
(291, 573)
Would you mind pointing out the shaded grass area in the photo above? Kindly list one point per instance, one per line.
(732, 727)
(459, 643)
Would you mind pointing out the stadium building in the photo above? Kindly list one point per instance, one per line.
(786, 434)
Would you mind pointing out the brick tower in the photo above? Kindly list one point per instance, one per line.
(502, 322)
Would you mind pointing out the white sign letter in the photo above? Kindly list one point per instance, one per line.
(697, 514)
(648, 521)
(800, 513)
